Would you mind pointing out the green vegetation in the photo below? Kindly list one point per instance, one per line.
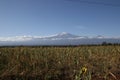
(60, 63)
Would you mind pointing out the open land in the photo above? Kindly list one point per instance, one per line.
(60, 63)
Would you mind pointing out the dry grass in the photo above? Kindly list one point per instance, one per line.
(59, 63)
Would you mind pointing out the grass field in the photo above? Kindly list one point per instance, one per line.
(60, 63)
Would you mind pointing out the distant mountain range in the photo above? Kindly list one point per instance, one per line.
(58, 39)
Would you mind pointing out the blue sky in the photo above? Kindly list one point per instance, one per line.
(46, 17)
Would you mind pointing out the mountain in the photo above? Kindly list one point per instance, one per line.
(64, 35)
(99, 36)
(57, 39)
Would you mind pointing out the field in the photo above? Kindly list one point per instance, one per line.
(60, 63)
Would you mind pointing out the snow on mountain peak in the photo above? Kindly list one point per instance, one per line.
(64, 33)
(100, 36)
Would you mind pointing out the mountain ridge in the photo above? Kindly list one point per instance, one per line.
(59, 35)
(57, 39)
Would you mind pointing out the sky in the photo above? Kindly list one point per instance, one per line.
(48, 17)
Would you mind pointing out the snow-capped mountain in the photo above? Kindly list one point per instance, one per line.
(64, 35)
(99, 36)
(57, 39)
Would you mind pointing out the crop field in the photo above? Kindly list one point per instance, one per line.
(60, 63)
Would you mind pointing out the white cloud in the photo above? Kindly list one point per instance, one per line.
(16, 38)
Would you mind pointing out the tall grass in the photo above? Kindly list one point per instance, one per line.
(58, 63)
